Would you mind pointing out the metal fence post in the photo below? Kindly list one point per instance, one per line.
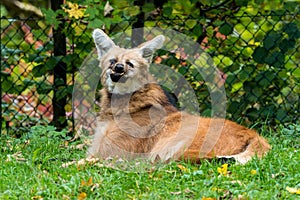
(137, 36)
(1, 94)
(60, 75)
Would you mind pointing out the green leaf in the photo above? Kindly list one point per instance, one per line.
(226, 28)
(51, 17)
(96, 23)
(131, 11)
(265, 78)
(167, 11)
(198, 30)
(148, 7)
(52, 62)
(245, 73)
(43, 69)
(233, 105)
(44, 88)
(259, 55)
(255, 94)
(64, 91)
(92, 12)
(292, 30)
(281, 115)
(287, 44)
(38, 33)
(296, 73)
(291, 5)
(252, 113)
(271, 40)
(6, 85)
(276, 58)
(283, 75)
(236, 87)
(242, 2)
(191, 23)
(183, 70)
(36, 58)
(258, 2)
(248, 85)
(39, 70)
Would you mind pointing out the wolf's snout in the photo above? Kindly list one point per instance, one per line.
(119, 68)
(117, 73)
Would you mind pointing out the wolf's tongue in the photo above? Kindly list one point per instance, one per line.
(117, 78)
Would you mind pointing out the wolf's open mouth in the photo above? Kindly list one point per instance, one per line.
(118, 77)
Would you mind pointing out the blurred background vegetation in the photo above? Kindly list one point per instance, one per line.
(254, 44)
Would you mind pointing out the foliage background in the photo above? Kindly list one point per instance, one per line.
(254, 44)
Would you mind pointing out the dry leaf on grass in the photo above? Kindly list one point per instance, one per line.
(223, 170)
(182, 168)
(82, 196)
(176, 193)
(293, 190)
(16, 156)
(96, 185)
(81, 162)
(88, 183)
(208, 198)
(37, 198)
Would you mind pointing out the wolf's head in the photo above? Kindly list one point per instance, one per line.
(124, 70)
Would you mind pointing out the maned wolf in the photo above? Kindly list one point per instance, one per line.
(137, 119)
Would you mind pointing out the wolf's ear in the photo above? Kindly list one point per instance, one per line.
(147, 49)
(103, 42)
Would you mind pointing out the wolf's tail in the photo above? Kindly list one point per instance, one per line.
(257, 146)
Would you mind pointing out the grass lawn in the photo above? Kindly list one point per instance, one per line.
(31, 169)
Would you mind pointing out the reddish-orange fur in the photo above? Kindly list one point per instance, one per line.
(143, 123)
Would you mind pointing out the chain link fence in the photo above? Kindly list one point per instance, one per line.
(257, 57)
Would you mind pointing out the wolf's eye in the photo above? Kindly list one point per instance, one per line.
(129, 64)
(113, 61)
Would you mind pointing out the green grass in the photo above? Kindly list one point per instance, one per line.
(31, 169)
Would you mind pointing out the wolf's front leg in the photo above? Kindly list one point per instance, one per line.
(95, 148)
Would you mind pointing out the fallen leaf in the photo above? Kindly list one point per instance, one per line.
(182, 168)
(82, 196)
(223, 170)
(241, 197)
(187, 190)
(176, 193)
(293, 190)
(208, 198)
(80, 146)
(81, 162)
(217, 189)
(96, 185)
(65, 197)
(236, 182)
(16, 156)
(90, 181)
(82, 183)
(107, 8)
(226, 195)
(278, 175)
(37, 197)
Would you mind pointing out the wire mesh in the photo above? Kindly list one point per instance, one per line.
(257, 57)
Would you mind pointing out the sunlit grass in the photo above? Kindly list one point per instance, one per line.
(31, 169)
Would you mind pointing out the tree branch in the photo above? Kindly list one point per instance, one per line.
(216, 6)
(18, 8)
